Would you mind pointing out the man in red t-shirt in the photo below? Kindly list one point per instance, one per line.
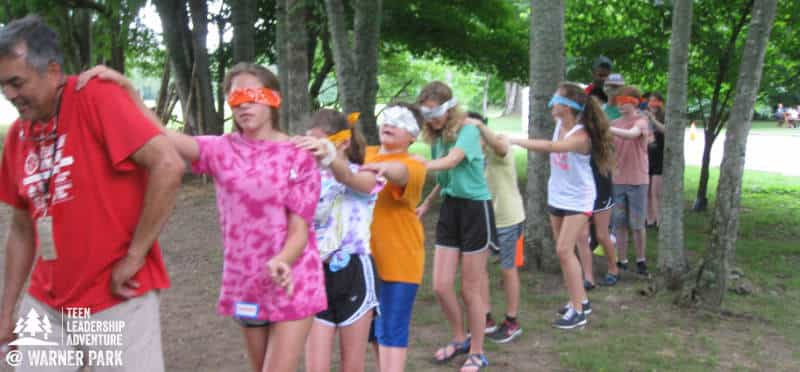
(91, 183)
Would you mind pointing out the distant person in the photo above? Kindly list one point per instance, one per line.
(655, 156)
(630, 177)
(91, 184)
(612, 86)
(601, 68)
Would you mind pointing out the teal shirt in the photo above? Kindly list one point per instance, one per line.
(467, 179)
(612, 112)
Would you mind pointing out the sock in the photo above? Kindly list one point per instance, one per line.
(585, 301)
(624, 261)
(641, 260)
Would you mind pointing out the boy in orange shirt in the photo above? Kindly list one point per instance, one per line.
(397, 240)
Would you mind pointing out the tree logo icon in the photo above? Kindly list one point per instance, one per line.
(30, 326)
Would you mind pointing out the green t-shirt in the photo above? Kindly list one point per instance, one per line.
(466, 180)
(612, 112)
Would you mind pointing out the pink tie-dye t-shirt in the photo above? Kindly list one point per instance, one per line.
(258, 183)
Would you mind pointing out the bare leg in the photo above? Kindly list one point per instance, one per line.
(445, 264)
(473, 277)
(585, 254)
(319, 346)
(286, 341)
(392, 359)
(511, 288)
(639, 241)
(569, 227)
(353, 343)
(256, 340)
(601, 221)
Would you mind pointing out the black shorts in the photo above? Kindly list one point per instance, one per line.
(352, 292)
(605, 195)
(558, 212)
(466, 225)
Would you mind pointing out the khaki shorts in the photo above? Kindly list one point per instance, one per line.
(125, 337)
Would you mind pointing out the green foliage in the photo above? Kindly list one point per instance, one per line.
(485, 35)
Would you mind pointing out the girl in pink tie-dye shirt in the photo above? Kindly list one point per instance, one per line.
(267, 192)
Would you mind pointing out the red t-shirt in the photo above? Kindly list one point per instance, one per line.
(98, 193)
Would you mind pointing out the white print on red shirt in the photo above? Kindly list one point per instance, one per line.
(38, 168)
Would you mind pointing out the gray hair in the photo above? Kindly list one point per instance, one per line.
(40, 40)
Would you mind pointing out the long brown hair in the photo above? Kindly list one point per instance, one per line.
(265, 76)
(441, 93)
(596, 124)
(332, 122)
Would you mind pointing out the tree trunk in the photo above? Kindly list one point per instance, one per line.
(243, 14)
(324, 70)
(283, 61)
(177, 36)
(511, 97)
(221, 67)
(672, 261)
(546, 71)
(711, 281)
(719, 105)
(205, 96)
(357, 65)
(297, 68)
(701, 200)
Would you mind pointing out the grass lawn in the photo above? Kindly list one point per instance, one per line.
(628, 332)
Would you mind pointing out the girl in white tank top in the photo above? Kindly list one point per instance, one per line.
(571, 188)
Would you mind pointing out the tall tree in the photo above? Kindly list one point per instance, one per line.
(711, 280)
(672, 262)
(357, 63)
(204, 95)
(243, 16)
(546, 71)
(281, 36)
(296, 39)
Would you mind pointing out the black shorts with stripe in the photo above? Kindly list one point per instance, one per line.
(467, 225)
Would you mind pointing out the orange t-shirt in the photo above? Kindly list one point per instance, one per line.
(398, 241)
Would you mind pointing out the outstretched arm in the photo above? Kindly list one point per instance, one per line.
(186, 145)
(577, 143)
(494, 141)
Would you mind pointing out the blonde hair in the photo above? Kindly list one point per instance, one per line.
(441, 93)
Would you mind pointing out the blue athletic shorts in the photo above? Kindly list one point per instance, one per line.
(396, 304)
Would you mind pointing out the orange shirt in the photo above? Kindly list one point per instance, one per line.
(398, 241)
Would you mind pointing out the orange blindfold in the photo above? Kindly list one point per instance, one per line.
(622, 100)
(264, 96)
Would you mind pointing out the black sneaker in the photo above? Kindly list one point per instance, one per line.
(641, 268)
(587, 285)
(507, 332)
(587, 308)
(491, 326)
(622, 265)
(570, 319)
(610, 280)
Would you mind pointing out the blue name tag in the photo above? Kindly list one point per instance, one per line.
(246, 310)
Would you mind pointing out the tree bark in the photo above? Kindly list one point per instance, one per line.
(297, 68)
(205, 96)
(283, 61)
(357, 65)
(672, 261)
(485, 106)
(719, 107)
(243, 14)
(711, 280)
(177, 36)
(546, 71)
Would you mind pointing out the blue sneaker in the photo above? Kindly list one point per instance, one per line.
(610, 280)
(587, 308)
(570, 319)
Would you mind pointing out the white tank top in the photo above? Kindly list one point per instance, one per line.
(571, 184)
